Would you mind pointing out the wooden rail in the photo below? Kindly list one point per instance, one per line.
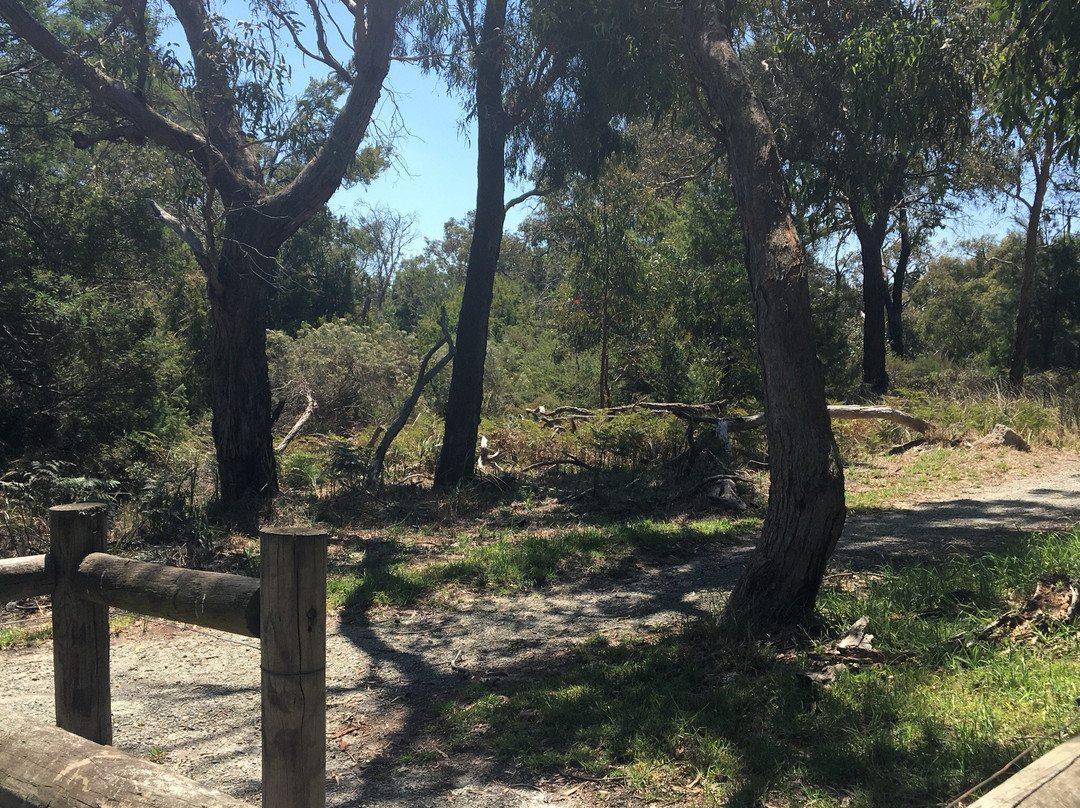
(286, 609)
(46, 766)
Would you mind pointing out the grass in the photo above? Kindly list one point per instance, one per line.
(510, 561)
(701, 718)
(17, 637)
(877, 487)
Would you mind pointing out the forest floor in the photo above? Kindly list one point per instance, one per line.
(189, 698)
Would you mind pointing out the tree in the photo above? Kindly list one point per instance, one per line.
(219, 112)
(1040, 61)
(874, 100)
(507, 73)
(98, 324)
(1034, 84)
(806, 508)
(654, 276)
(389, 235)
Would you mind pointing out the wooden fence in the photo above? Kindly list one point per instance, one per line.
(286, 609)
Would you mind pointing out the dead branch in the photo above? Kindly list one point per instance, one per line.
(841, 411)
(303, 419)
(565, 461)
(695, 413)
(423, 377)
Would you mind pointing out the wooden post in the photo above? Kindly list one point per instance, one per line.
(293, 629)
(80, 629)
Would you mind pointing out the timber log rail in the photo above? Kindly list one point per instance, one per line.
(285, 608)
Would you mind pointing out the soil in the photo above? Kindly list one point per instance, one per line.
(189, 698)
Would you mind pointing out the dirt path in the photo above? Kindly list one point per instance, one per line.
(191, 697)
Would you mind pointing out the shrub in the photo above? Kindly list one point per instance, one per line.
(358, 375)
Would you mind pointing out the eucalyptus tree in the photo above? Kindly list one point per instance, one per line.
(1040, 62)
(221, 103)
(1033, 88)
(874, 102)
(510, 59)
(806, 510)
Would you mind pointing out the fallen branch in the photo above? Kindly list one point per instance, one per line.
(838, 411)
(566, 461)
(423, 377)
(303, 419)
(694, 413)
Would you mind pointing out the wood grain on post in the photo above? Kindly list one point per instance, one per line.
(80, 629)
(46, 767)
(293, 634)
(210, 599)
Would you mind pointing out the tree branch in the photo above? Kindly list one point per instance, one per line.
(517, 200)
(113, 94)
(192, 240)
(305, 416)
(373, 37)
(423, 378)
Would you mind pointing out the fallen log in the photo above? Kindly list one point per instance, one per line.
(45, 767)
(695, 413)
(305, 416)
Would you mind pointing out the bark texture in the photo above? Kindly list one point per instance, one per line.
(457, 460)
(806, 501)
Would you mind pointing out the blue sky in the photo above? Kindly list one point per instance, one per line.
(434, 174)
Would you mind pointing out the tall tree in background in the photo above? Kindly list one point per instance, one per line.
(1035, 84)
(220, 111)
(874, 100)
(494, 51)
(806, 508)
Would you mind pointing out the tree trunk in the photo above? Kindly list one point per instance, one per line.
(875, 293)
(457, 460)
(239, 379)
(1031, 258)
(895, 305)
(806, 498)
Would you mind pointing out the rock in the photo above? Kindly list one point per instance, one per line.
(1002, 435)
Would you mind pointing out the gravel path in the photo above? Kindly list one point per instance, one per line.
(191, 696)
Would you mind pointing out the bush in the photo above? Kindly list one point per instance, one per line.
(357, 375)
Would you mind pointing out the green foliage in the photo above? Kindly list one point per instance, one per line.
(319, 278)
(654, 282)
(86, 352)
(1037, 69)
(964, 308)
(633, 439)
(28, 490)
(358, 375)
(303, 470)
(863, 90)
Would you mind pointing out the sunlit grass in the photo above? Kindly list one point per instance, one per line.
(698, 717)
(512, 561)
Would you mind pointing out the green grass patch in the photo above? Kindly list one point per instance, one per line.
(512, 561)
(15, 637)
(927, 472)
(701, 718)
